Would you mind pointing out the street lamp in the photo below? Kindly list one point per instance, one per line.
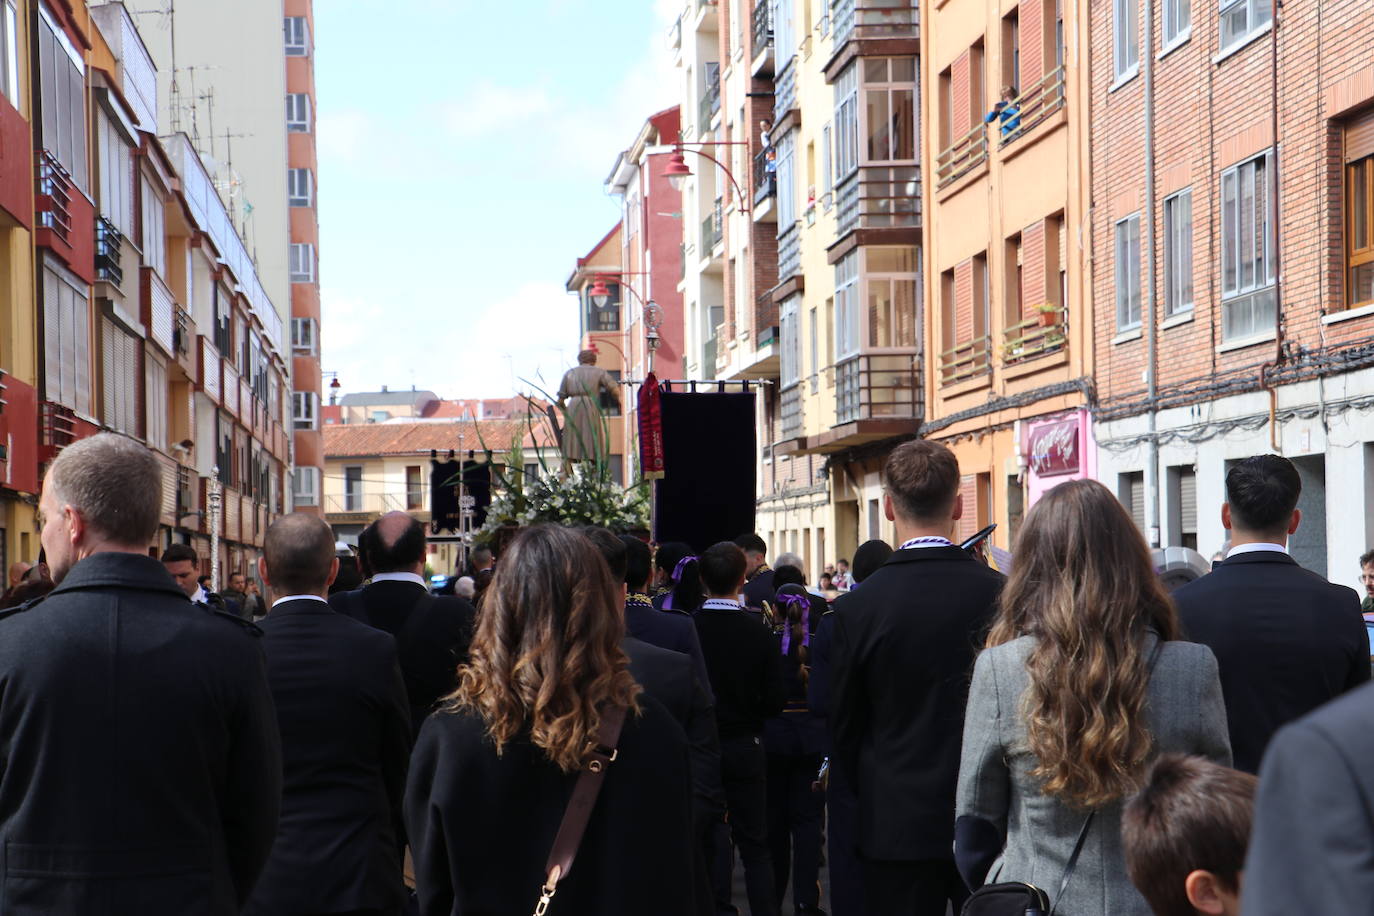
(677, 171)
(599, 293)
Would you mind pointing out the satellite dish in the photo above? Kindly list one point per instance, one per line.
(1177, 566)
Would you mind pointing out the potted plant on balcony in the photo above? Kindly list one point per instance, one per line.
(1048, 313)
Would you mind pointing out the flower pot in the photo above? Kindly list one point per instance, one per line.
(1049, 319)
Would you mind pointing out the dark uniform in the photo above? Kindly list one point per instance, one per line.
(141, 766)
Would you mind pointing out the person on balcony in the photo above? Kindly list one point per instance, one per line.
(1007, 111)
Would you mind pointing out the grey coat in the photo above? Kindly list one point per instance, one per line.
(1185, 714)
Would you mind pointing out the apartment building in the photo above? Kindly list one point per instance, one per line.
(239, 82)
(1233, 160)
(137, 309)
(1009, 335)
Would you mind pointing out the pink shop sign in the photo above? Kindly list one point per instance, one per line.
(1054, 448)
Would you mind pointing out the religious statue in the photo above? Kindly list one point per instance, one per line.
(579, 397)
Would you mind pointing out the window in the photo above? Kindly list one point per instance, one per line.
(62, 84)
(353, 488)
(784, 29)
(66, 339)
(119, 356)
(154, 230)
(846, 122)
(115, 175)
(1242, 18)
(1359, 210)
(815, 346)
(1011, 49)
(415, 489)
(1015, 297)
(1178, 253)
(946, 103)
(827, 167)
(305, 409)
(1130, 489)
(155, 397)
(298, 113)
(297, 36)
(789, 321)
(1178, 17)
(9, 47)
(1128, 273)
(787, 181)
(302, 262)
(305, 487)
(304, 336)
(223, 306)
(847, 306)
(1125, 39)
(300, 187)
(1182, 521)
(1247, 249)
(890, 285)
(889, 109)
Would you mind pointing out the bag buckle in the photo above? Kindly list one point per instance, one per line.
(547, 891)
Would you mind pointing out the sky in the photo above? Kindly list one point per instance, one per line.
(463, 150)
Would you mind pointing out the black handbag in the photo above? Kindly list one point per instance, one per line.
(1016, 898)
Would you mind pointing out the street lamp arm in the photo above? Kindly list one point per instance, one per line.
(739, 193)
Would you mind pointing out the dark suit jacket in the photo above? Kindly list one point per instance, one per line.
(140, 770)
(1286, 641)
(1312, 848)
(345, 729)
(668, 630)
(481, 826)
(759, 589)
(902, 658)
(745, 669)
(429, 648)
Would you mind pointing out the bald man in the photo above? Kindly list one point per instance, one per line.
(432, 631)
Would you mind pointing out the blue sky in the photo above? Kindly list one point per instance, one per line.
(463, 146)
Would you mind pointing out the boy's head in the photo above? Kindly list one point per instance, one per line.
(1185, 835)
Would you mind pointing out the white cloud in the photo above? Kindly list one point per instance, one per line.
(342, 133)
(492, 109)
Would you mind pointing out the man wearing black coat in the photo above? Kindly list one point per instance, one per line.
(1286, 639)
(758, 576)
(141, 770)
(903, 649)
(432, 631)
(645, 622)
(345, 729)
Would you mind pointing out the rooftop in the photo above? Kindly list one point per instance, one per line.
(363, 440)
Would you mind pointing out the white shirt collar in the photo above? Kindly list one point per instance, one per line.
(299, 598)
(1256, 548)
(199, 596)
(721, 604)
(401, 577)
(927, 542)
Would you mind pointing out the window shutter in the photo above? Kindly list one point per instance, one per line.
(967, 526)
(1187, 502)
(52, 337)
(1137, 495)
(1359, 136)
(109, 356)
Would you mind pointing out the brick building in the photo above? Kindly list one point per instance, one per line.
(1233, 156)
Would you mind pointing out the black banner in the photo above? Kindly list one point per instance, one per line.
(709, 453)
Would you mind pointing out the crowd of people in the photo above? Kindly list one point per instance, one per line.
(609, 727)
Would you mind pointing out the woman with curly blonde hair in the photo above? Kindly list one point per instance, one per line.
(493, 769)
(1083, 682)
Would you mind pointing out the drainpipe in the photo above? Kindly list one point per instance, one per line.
(1151, 324)
(1274, 215)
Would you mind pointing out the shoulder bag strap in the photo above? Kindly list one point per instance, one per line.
(580, 804)
(1088, 821)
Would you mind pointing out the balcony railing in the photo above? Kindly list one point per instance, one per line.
(1032, 338)
(181, 332)
(966, 360)
(374, 503)
(109, 242)
(790, 413)
(789, 252)
(763, 27)
(785, 90)
(710, 103)
(877, 386)
(765, 175)
(962, 156)
(879, 197)
(708, 356)
(57, 425)
(712, 229)
(1037, 104)
(895, 19)
(54, 195)
(682, 262)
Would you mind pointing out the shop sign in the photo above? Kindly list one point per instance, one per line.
(1054, 448)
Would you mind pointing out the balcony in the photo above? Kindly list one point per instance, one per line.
(765, 176)
(709, 351)
(895, 19)
(1037, 105)
(54, 195)
(785, 91)
(962, 156)
(877, 387)
(790, 413)
(966, 361)
(109, 243)
(879, 197)
(181, 333)
(57, 426)
(763, 39)
(712, 229)
(709, 104)
(1035, 337)
(789, 252)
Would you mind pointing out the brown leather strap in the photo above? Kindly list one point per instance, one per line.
(583, 799)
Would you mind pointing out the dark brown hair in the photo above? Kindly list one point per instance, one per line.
(1192, 814)
(922, 477)
(1084, 586)
(546, 655)
(722, 567)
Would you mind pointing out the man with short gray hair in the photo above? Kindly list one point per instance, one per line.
(142, 770)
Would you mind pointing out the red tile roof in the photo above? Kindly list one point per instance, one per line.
(375, 439)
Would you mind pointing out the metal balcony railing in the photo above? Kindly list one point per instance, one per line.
(365, 502)
(181, 332)
(763, 26)
(708, 356)
(1036, 105)
(790, 413)
(877, 386)
(789, 252)
(109, 242)
(54, 195)
(57, 425)
(710, 102)
(785, 90)
(966, 360)
(1032, 338)
(962, 156)
(765, 175)
(879, 197)
(712, 229)
(874, 19)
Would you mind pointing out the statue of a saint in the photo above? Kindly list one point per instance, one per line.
(579, 397)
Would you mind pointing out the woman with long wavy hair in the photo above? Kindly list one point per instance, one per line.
(493, 769)
(1083, 682)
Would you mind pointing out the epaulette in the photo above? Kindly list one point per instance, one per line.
(20, 608)
(252, 628)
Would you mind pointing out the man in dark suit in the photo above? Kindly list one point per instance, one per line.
(745, 667)
(1286, 640)
(902, 652)
(142, 772)
(758, 576)
(1312, 849)
(432, 632)
(645, 622)
(345, 730)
